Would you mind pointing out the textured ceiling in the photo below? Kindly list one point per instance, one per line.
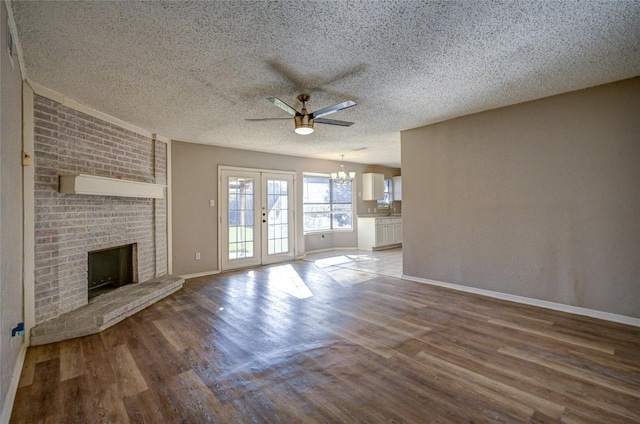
(193, 71)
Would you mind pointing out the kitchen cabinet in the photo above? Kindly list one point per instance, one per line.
(398, 232)
(372, 186)
(397, 188)
(379, 232)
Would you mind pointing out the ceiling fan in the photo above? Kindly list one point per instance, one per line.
(304, 120)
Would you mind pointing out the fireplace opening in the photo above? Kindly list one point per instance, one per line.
(110, 268)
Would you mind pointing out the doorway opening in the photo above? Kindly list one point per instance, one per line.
(257, 224)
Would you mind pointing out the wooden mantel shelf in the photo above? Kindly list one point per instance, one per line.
(105, 186)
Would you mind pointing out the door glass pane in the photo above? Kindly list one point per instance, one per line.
(277, 217)
(241, 225)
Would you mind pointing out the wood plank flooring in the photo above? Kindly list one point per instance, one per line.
(290, 343)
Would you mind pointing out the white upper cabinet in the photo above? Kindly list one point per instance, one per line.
(372, 186)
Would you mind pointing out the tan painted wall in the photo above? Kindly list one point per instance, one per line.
(540, 199)
(11, 293)
(194, 170)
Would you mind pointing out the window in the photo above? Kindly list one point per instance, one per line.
(388, 195)
(326, 204)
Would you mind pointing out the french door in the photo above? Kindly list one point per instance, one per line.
(257, 219)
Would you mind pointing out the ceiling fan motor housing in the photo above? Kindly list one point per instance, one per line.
(303, 122)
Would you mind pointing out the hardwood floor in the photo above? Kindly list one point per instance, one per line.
(320, 343)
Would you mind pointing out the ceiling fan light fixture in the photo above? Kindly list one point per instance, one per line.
(304, 124)
(303, 130)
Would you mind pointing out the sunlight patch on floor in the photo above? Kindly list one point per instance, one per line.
(363, 258)
(332, 261)
(343, 259)
(349, 277)
(383, 262)
(284, 278)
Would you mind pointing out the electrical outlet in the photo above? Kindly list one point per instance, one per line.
(17, 333)
(197, 256)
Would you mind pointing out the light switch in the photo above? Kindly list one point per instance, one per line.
(212, 203)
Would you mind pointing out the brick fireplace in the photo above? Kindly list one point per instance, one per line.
(69, 226)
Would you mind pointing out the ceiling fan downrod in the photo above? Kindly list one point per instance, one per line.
(303, 121)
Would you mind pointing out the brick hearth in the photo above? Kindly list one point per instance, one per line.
(105, 310)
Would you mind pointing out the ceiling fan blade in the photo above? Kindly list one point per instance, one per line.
(267, 119)
(333, 122)
(282, 105)
(331, 109)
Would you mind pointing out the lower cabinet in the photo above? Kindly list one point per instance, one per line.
(398, 233)
(379, 232)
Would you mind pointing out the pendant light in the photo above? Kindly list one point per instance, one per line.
(342, 177)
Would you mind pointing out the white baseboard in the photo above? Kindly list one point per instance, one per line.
(607, 316)
(13, 388)
(199, 274)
